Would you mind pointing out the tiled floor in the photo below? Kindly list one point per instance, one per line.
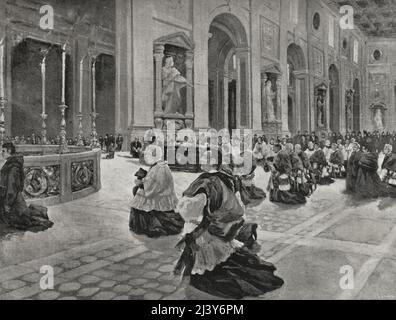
(95, 256)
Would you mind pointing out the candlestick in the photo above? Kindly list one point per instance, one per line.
(64, 74)
(44, 129)
(43, 69)
(63, 142)
(80, 133)
(94, 135)
(94, 85)
(81, 84)
(2, 68)
(94, 115)
(3, 103)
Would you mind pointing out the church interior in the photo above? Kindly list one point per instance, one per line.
(227, 51)
(73, 73)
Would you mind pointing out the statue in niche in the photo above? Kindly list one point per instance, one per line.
(321, 107)
(378, 119)
(349, 110)
(269, 101)
(172, 83)
(320, 104)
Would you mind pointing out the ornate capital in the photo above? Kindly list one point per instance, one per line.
(16, 38)
(159, 49)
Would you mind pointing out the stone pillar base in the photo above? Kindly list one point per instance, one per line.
(272, 129)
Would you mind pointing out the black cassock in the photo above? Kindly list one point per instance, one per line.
(14, 211)
(243, 273)
(363, 179)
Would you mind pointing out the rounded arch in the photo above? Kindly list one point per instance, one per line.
(228, 91)
(334, 84)
(298, 112)
(296, 57)
(232, 26)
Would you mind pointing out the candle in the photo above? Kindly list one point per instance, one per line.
(2, 68)
(94, 85)
(43, 84)
(81, 84)
(64, 74)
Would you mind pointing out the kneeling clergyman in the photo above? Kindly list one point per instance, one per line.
(153, 207)
(215, 260)
(14, 211)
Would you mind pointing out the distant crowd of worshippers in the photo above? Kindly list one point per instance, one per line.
(299, 164)
(375, 140)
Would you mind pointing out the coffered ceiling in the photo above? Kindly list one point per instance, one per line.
(374, 17)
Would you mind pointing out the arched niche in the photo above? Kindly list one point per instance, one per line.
(228, 76)
(180, 47)
(105, 94)
(26, 102)
(298, 109)
(334, 96)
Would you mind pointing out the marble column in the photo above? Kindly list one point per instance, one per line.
(264, 79)
(201, 37)
(124, 66)
(283, 38)
(189, 75)
(158, 61)
(243, 88)
(279, 97)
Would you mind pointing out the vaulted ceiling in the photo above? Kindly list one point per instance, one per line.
(374, 17)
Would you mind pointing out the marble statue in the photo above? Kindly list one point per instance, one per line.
(320, 105)
(172, 83)
(378, 120)
(349, 111)
(269, 97)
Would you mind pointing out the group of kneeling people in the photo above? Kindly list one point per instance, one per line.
(295, 174)
(217, 244)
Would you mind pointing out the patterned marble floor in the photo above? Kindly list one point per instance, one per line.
(95, 256)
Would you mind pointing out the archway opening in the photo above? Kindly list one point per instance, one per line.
(298, 115)
(290, 113)
(228, 73)
(356, 105)
(26, 100)
(334, 99)
(105, 93)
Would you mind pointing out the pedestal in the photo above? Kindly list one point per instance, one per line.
(94, 135)
(80, 133)
(44, 129)
(272, 129)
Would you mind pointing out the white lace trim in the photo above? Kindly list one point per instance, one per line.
(212, 251)
(159, 203)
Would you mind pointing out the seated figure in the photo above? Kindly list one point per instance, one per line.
(153, 207)
(14, 211)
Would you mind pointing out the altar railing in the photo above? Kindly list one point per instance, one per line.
(52, 178)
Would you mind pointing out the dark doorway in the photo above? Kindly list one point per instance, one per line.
(334, 99)
(356, 105)
(290, 114)
(26, 100)
(105, 93)
(232, 105)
